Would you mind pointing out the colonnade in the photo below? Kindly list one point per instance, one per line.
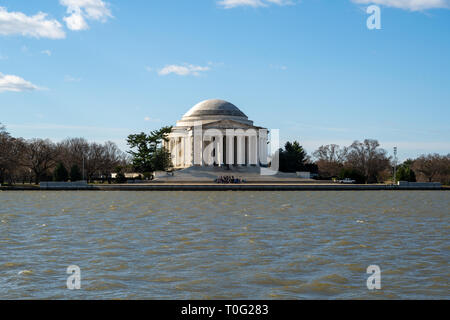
(216, 148)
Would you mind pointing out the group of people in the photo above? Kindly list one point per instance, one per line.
(228, 180)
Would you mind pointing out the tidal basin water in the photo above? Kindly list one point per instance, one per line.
(225, 245)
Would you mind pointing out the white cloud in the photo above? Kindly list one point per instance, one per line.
(69, 78)
(47, 52)
(81, 10)
(229, 4)
(76, 22)
(184, 70)
(278, 67)
(151, 119)
(15, 84)
(37, 26)
(413, 5)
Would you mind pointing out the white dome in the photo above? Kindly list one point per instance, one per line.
(213, 110)
(214, 107)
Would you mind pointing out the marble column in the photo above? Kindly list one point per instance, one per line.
(198, 148)
(252, 150)
(219, 150)
(258, 146)
(172, 151)
(240, 150)
(247, 150)
(177, 152)
(184, 151)
(230, 148)
(190, 158)
(207, 150)
(263, 147)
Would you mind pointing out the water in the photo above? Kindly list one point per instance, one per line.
(224, 245)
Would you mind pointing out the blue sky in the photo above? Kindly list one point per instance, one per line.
(103, 69)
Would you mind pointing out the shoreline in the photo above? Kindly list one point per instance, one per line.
(230, 187)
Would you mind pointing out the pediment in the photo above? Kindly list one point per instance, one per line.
(229, 124)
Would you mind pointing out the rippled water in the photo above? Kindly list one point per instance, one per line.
(237, 245)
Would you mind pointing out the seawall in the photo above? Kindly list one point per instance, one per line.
(259, 187)
(228, 187)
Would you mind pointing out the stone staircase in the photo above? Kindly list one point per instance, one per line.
(209, 174)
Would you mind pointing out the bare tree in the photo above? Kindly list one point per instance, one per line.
(369, 159)
(11, 150)
(23, 160)
(39, 156)
(432, 167)
(5, 157)
(97, 160)
(330, 159)
(5, 163)
(94, 160)
(72, 150)
(113, 157)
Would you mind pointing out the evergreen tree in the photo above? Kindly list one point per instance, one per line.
(147, 152)
(405, 173)
(293, 158)
(161, 160)
(60, 174)
(75, 173)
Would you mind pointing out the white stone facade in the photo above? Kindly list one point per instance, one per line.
(217, 133)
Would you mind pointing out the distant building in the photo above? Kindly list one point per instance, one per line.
(128, 175)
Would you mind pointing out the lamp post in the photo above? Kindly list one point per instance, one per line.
(395, 165)
(83, 167)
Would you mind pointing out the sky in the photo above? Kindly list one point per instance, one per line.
(104, 69)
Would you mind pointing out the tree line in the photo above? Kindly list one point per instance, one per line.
(364, 162)
(73, 159)
(35, 160)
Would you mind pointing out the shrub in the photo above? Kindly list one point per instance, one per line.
(120, 178)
